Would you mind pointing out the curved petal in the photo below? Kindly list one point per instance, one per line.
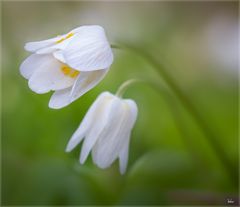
(30, 65)
(47, 50)
(123, 155)
(55, 47)
(58, 55)
(89, 50)
(109, 145)
(34, 46)
(133, 112)
(102, 152)
(86, 123)
(50, 45)
(85, 82)
(60, 98)
(49, 76)
(101, 123)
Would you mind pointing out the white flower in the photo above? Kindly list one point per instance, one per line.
(106, 128)
(69, 64)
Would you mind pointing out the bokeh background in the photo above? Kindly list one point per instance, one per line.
(170, 161)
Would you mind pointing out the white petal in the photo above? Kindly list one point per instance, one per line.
(46, 50)
(30, 65)
(89, 50)
(109, 145)
(86, 123)
(133, 112)
(54, 47)
(102, 152)
(123, 155)
(101, 122)
(34, 46)
(60, 99)
(58, 55)
(85, 28)
(50, 45)
(85, 82)
(49, 76)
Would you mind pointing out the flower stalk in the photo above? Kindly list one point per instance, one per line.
(124, 86)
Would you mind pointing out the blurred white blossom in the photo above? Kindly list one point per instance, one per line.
(221, 37)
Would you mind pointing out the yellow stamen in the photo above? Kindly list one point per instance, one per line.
(64, 38)
(66, 70)
(74, 74)
(69, 71)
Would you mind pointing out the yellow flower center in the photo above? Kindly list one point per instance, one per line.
(67, 71)
(64, 38)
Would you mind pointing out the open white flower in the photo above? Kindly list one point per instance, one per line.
(69, 64)
(106, 128)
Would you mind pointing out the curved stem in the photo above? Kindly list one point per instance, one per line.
(123, 87)
(188, 105)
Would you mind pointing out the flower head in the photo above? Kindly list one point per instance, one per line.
(106, 130)
(69, 64)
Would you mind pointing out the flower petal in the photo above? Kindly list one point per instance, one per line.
(89, 50)
(50, 45)
(109, 145)
(60, 99)
(49, 76)
(34, 46)
(101, 123)
(123, 155)
(133, 112)
(30, 65)
(54, 47)
(86, 123)
(85, 82)
(58, 55)
(102, 152)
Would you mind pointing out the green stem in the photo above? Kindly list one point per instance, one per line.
(123, 87)
(189, 106)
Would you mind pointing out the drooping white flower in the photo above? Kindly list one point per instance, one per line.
(69, 64)
(106, 130)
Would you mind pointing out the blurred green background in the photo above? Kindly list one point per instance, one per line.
(170, 160)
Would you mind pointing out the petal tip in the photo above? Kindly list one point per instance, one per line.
(122, 172)
(82, 160)
(28, 47)
(54, 106)
(36, 89)
(69, 148)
